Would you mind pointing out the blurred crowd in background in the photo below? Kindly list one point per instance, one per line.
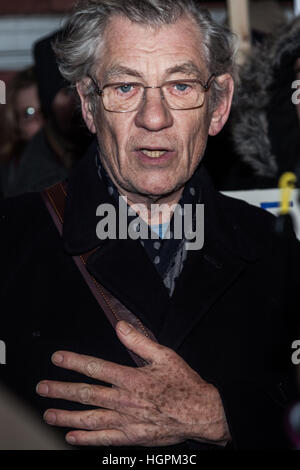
(42, 133)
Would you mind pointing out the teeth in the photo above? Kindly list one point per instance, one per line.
(154, 153)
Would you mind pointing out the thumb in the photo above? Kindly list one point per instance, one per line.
(139, 343)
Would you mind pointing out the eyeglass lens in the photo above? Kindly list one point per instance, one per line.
(128, 97)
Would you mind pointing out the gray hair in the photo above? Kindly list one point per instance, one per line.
(79, 45)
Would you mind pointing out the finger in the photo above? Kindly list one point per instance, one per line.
(140, 344)
(111, 437)
(106, 371)
(90, 420)
(105, 397)
(97, 395)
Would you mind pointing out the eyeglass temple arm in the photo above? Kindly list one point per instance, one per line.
(207, 85)
(98, 90)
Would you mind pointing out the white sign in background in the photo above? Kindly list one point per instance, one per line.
(269, 199)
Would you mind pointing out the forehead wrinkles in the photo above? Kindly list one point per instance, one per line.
(118, 70)
(124, 39)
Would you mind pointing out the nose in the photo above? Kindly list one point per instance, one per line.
(154, 115)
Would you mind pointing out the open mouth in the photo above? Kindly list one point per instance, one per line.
(154, 153)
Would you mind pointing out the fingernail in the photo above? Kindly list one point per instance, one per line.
(42, 389)
(124, 327)
(71, 439)
(58, 358)
(50, 417)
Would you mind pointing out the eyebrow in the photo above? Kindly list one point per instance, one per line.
(188, 68)
(116, 71)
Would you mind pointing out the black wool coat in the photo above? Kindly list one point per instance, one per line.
(233, 315)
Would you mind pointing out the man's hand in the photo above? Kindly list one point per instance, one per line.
(163, 403)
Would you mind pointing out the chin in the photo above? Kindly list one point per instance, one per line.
(157, 191)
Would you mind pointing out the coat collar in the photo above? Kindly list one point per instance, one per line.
(123, 267)
(84, 194)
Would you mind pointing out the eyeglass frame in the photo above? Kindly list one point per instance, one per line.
(205, 85)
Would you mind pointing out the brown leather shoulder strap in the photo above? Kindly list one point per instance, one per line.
(55, 200)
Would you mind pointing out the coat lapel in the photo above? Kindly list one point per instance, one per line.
(209, 272)
(206, 275)
(123, 267)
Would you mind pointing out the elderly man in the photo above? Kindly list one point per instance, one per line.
(155, 78)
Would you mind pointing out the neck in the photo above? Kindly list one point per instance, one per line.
(153, 211)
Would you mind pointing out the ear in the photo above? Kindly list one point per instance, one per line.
(86, 107)
(221, 113)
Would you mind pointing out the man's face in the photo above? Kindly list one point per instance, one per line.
(132, 143)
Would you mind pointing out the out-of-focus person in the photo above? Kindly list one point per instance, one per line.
(266, 125)
(222, 159)
(64, 137)
(21, 119)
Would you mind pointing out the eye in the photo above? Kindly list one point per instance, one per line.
(126, 88)
(181, 87)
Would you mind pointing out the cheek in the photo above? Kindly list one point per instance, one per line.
(107, 123)
(113, 134)
(196, 137)
(119, 133)
(105, 131)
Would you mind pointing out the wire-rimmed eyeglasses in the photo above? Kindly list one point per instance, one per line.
(124, 97)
